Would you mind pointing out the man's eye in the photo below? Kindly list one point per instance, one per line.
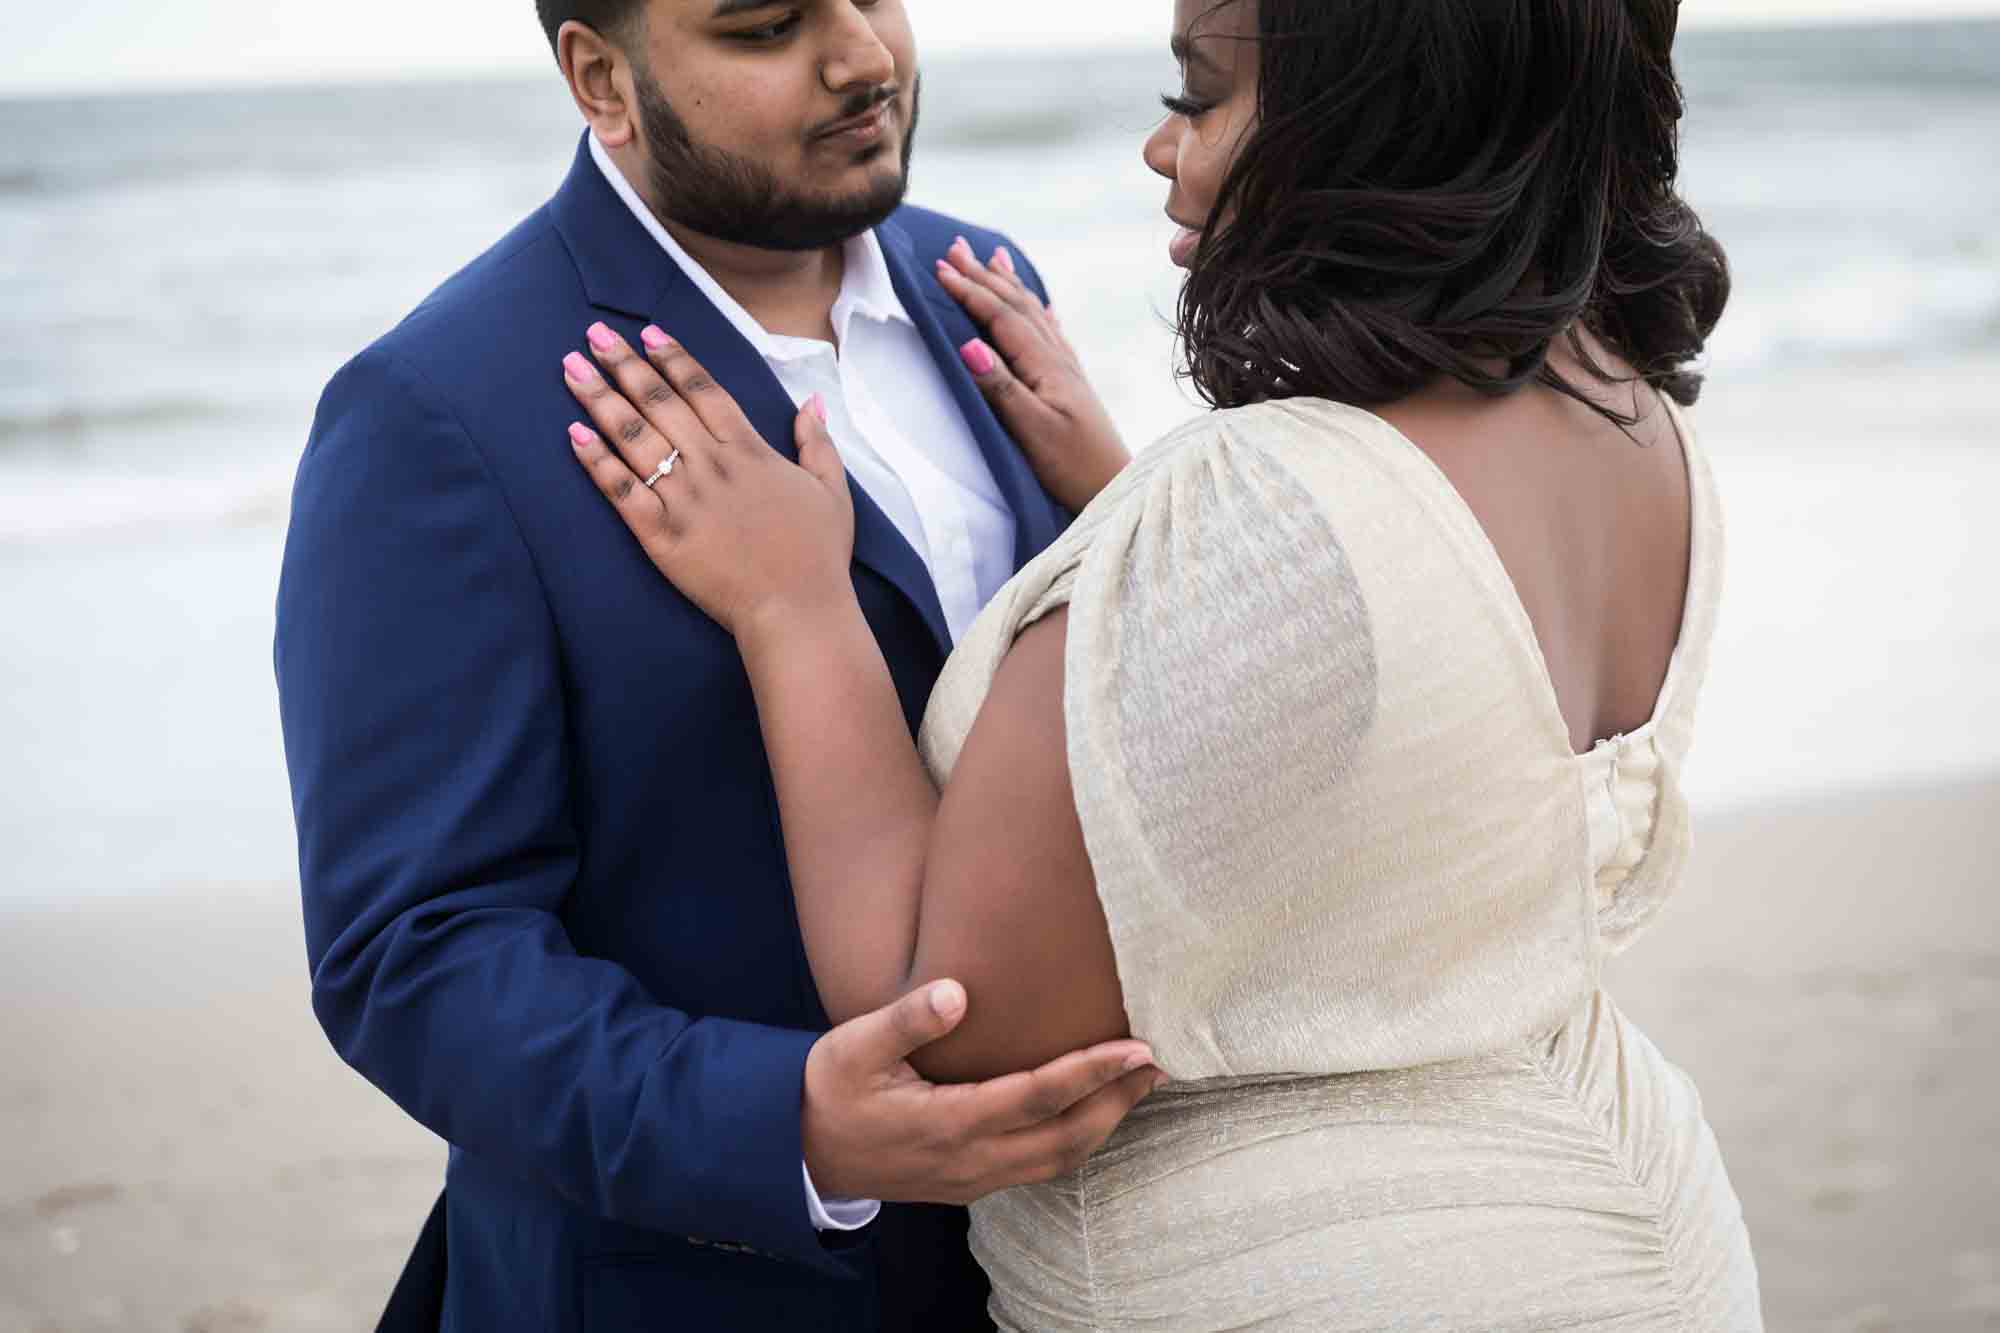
(769, 33)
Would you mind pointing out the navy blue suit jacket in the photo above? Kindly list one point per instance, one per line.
(545, 890)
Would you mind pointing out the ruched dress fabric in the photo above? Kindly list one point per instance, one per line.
(1360, 892)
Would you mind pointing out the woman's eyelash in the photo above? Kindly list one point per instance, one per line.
(1181, 106)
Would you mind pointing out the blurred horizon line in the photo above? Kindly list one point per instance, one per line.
(439, 75)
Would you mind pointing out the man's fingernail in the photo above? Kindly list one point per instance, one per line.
(602, 338)
(817, 406)
(581, 435)
(655, 338)
(579, 368)
(1003, 261)
(947, 999)
(978, 357)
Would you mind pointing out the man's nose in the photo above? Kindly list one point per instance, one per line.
(857, 57)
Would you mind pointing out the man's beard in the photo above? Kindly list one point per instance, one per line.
(717, 193)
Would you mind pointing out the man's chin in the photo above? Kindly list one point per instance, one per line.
(820, 222)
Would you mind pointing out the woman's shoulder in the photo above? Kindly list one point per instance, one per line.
(1276, 427)
(1232, 468)
(1239, 511)
(1278, 431)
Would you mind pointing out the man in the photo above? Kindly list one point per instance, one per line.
(601, 1000)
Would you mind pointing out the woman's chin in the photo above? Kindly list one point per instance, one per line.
(1182, 247)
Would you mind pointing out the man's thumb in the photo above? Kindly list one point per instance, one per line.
(923, 1016)
(816, 452)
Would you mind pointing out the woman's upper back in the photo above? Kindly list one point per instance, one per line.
(1590, 518)
(1332, 803)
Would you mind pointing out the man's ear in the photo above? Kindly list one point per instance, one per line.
(600, 80)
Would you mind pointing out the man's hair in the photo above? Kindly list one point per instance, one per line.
(607, 16)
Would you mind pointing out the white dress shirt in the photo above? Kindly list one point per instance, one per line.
(890, 413)
(882, 391)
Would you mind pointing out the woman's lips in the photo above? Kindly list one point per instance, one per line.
(1182, 247)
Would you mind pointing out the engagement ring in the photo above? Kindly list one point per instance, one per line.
(665, 469)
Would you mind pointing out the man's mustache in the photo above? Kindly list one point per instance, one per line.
(860, 104)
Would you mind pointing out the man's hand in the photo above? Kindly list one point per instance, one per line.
(874, 1129)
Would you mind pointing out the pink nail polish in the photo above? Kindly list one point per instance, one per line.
(1004, 261)
(602, 338)
(579, 368)
(817, 406)
(963, 246)
(655, 338)
(978, 358)
(581, 435)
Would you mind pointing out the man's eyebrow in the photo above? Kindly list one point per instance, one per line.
(1184, 51)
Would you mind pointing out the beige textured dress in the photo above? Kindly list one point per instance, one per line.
(1360, 892)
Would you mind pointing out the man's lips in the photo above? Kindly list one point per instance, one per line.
(864, 126)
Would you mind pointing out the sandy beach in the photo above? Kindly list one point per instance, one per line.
(179, 1150)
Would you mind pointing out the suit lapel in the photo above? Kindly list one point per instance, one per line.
(625, 272)
(945, 329)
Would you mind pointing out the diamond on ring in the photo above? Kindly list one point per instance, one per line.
(664, 470)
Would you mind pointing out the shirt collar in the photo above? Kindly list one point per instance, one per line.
(866, 287)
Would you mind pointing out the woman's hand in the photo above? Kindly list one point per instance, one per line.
(746, 535)
(1036, 384)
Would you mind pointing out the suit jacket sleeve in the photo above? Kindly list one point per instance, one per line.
(421, 690)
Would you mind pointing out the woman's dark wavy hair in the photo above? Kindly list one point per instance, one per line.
(1444, 188)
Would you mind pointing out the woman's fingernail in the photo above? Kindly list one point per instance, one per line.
(1138, 1060)
(579, 368)
(655, 338)
(581, 435)
(978, 357)
(1161, 1082)
(962, 246)
(1003, 261)
(602, 338)
(817, 406)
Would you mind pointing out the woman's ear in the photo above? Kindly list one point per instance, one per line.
(600, 80)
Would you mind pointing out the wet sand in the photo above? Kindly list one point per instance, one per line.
(180, 1151)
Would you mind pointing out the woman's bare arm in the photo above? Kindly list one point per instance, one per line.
(896, 887)
(990, 885)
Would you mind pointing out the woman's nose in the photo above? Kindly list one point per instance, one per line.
(1162, 151)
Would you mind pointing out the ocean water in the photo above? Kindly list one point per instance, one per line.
(180, 274)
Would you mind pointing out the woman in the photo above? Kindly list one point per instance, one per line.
(1337, 744)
